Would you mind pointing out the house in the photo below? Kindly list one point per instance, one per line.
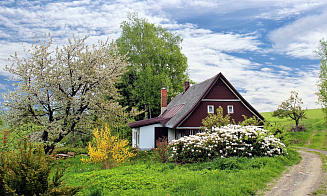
(183, 115)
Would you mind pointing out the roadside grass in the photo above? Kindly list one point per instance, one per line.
(232, 176)
(323, 187)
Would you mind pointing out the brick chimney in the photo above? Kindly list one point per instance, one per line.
(186, 85)
(163, 100)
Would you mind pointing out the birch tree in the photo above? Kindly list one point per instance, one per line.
(64, 90)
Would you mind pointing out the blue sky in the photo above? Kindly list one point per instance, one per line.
(264, 48)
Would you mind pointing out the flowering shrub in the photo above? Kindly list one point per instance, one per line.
(227, 141)
(108, 149)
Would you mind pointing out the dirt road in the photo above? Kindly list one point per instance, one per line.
(302, 179)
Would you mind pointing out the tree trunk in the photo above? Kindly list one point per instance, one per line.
(297, 126)
(73, 139)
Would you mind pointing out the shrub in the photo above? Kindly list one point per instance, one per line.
(65, 150)
(27, 172)
(252, 121)
(108, 149)
(227, 141)
(161, 152)
(215, 120)
(300, 128)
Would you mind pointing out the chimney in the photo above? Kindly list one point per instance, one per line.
(163, 100)
(186, 85)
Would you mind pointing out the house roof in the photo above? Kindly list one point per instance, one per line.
(162, 118)
(182, 106)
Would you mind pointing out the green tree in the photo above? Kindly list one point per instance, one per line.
(155, 61)
(216, 120)
(322, 82)
(291, 108)
(64, 90)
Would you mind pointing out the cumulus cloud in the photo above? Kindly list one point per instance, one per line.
(264, 85)
(301, 37)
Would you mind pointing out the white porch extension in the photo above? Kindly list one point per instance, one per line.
(143, 137)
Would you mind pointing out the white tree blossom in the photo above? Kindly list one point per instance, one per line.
(64, 90)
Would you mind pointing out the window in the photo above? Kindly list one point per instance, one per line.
(210, 109)
(230, 109)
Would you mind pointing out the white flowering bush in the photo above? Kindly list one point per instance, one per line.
(227, 141)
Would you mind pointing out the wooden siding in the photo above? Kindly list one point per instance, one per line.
(220, 91)
(195, 119)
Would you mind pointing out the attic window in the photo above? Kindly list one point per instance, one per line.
(210, 109)
(230, 109)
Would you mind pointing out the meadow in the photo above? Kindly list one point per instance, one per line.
(229, 176)
(143, 175)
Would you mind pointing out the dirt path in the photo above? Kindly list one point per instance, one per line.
(302, 179)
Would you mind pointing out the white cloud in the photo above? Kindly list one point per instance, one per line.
(301, 37)
(208, 52)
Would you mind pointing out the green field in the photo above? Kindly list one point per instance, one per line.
(316, 131)
(230, 176)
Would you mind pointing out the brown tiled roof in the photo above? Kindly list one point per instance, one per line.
(162, 118)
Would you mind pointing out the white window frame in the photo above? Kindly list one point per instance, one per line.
(232, 108)
(208, 109)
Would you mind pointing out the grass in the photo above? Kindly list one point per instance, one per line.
(232, 176)
(314, 123)
(323, 187)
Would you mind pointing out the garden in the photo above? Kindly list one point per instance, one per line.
(233, 159)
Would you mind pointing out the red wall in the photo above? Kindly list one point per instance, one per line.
(220, 91)
(195, 120)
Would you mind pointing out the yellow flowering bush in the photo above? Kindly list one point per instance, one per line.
(108, 149)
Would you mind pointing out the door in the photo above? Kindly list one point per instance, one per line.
(160, 132)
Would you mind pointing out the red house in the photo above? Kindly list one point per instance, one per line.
(183, 116)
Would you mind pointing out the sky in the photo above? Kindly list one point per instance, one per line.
(264, 48)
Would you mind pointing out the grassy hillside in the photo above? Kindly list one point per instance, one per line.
(316, 134)
(315, 121)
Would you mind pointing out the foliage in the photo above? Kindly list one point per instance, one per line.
(252, 121)
(108, 149)
(298, 128)
(229, 176)
(81, 140)
(314, 122)
(322, 83)
(66, 89)
(215, 120)
(291, 108)
(27, 172)
(65, 150)
(155, 60)
(227, 141)
(161, 152)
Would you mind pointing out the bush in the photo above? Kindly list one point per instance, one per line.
(108, 149)
(228, 141)
(161, 152)
(65, 150)
(27, 172)
(300, 128)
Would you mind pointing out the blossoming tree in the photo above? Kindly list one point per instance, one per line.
(64, 90)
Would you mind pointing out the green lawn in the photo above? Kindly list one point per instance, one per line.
(232, 176)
